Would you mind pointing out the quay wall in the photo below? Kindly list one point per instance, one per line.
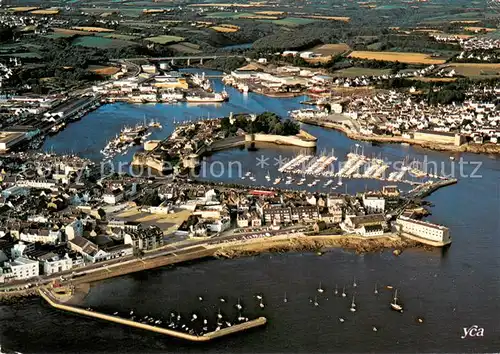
(282, 140)
(206, 337)
(303, 139)
(425, 241)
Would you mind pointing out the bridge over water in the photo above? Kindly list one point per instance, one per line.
(187, 58)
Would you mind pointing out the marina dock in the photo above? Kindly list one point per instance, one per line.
(52, 301)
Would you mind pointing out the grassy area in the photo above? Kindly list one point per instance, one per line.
(355, 71)
(101, 42)
(402, 57)
(185, 47)
(124, 37)
(331, 49)
(58, 35)
(435, 79)
(329, 18)
(293, 21)
(229, 14)
(474, 70)
(165, 39)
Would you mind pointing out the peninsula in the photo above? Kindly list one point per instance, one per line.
(190, 141)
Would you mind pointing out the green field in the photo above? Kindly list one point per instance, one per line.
(229, 14)
(58, 35)
(124, 37)
(292, 21)
(355, 71)
(165, 39)
(101, 42)
(185, 47)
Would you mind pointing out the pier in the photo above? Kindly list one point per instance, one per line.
(52, 301)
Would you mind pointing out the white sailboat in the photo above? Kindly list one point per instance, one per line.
(320, 289)
(343, 292)
(353, 305)
(394, 305)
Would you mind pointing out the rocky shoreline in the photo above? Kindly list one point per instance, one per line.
(319, 244)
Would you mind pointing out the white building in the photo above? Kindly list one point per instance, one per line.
(374, 203)
(23, 268)
(113, 197)
(40, 235)
(73, 229)
(56, 264)
(220, 225)
(437, 234)
(307, 55)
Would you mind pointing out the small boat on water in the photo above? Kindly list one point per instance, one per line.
(341, 320)
(277, 181)
(316, 301)
(376, 290)
(336, 289)
(320, 289)
(353, 305)
(238, 305)
(374, 329)
(394, 304)
(354, 283)
(285, 299)
(343, 292)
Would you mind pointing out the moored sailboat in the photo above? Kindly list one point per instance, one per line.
(394, 304)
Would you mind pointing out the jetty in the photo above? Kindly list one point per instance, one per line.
(52, 301)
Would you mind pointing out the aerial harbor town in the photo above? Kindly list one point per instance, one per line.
(145, 138)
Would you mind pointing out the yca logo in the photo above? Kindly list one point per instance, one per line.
(473, 331)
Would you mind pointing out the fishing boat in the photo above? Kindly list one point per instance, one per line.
(353, 305)
(316, 301)
(261, 304)
(394, 304)
(277, 181)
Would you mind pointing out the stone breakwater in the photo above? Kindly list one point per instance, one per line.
(51, 299)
